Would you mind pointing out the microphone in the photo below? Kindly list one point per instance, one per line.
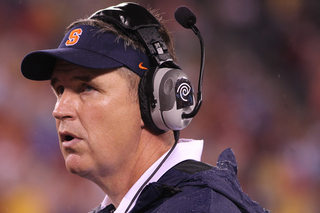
(185, 17)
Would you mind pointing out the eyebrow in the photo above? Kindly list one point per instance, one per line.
(84, 78)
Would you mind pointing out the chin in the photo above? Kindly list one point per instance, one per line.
(76, 165)
(79, 172)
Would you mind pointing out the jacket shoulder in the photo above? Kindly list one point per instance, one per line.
(193, 186)
(192, 166)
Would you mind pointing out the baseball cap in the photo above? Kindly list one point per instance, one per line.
(88, 47)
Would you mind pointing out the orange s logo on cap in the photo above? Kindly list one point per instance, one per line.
(142, 67)
(74, 37)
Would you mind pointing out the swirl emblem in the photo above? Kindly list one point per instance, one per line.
(184, 93)
(184, 90)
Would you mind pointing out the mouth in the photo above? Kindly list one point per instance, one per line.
(67, 139)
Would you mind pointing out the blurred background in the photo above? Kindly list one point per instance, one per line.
(261, 98)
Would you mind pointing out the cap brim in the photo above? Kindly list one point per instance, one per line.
(39, 65)
(90, 48)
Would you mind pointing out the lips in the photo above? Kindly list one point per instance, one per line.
(68, 139)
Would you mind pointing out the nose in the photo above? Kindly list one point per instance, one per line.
(65, 107)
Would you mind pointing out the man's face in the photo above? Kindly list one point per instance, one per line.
(98, 123)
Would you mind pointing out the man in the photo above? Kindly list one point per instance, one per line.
(104, 128)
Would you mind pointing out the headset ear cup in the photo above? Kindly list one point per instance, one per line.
(144, 102)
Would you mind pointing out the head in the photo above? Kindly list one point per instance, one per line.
(98, 109)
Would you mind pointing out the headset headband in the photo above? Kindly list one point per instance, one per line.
(120, 14)
(143, 27)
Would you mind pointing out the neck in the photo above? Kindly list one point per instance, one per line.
(151, 148)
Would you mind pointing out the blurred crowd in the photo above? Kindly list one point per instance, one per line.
(261, 98)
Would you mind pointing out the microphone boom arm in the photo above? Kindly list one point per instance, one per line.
(199, 93)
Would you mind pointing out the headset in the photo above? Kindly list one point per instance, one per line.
(166, 94)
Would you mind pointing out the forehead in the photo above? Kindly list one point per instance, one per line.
(65, 71)
(62, 65)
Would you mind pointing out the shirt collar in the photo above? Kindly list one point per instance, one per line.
(186, 149)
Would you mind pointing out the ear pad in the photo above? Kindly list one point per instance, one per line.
(145, 102)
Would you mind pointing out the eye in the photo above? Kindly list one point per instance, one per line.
(87, 88)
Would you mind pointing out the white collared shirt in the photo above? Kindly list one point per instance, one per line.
(186, 149)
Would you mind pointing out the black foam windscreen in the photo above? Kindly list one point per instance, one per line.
(185, 17)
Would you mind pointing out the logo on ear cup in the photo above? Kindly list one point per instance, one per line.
(184, 93)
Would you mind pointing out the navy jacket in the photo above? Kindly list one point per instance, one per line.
(193, 186)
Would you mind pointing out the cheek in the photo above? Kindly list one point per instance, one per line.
(113, 133)
(121, 119)
(113, 121)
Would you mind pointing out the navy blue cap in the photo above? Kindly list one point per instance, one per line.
(88, 47)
